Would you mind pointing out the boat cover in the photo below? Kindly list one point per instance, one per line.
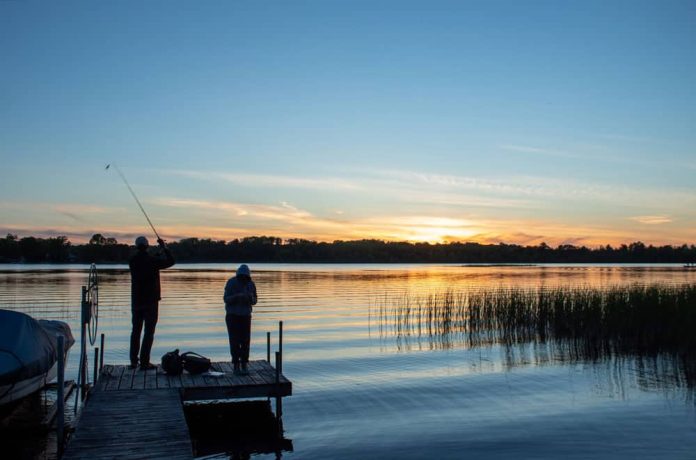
(27, 346)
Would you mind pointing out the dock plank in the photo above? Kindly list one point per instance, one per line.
(101, 380)
(212, 381)
(126, 381)
(174, 381)
(259, 383)
(112, 378)
(187, 380)
(162, 379)
(226, 367)
(139, 414)
(131, 424)
(225, 380)
(198, 380)
(151, 379)
(138, 380)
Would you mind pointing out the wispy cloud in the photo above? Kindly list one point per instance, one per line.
(283, 211)
(415, 191)
(75, 211)
(602, 154)
(652, 220)
(285, 220)
(79, 211)
(543, 188)
(403, 186)
(272, 180)
(392, 205)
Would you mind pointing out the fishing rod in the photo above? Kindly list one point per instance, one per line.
(118, 170)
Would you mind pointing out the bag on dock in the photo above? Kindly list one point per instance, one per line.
(195, 363)
(172, 363)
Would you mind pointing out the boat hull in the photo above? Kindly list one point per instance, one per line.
(23, 388)
(28, 354)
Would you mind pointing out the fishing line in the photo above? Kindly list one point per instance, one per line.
(118, 170)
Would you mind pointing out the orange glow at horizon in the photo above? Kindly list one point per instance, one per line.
(413, 230)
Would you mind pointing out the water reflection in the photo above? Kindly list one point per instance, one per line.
(421, 394)
(647, 329)
(664, 372)
(235, 430)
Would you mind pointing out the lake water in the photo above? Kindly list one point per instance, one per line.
(362, 390)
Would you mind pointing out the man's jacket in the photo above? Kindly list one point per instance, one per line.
(145, 279)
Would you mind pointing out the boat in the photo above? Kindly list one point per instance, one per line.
(28, 354)
(690, 265)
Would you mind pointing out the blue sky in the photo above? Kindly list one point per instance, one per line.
(565, 122)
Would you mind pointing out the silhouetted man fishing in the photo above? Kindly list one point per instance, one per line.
(145, 297)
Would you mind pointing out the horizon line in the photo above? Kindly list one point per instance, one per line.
(284, 241)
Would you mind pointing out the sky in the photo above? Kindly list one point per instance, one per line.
(488, 121)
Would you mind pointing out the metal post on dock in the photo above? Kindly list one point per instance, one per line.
(83, 349)
(96, 365)
(85, 375)
(280, 347)
(279, 399)
(101, 354)
(277, 368)
(60, 402)
(268, 347)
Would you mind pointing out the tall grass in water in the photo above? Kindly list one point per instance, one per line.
(586, 322)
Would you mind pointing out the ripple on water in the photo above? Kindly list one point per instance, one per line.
(361, 393)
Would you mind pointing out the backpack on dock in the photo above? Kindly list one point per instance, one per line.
(195, 363)
(172, 363)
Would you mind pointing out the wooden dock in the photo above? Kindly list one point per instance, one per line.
(131, 424)
(261, 382)
(139, 414)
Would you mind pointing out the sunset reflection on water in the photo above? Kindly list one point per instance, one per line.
(429, 396)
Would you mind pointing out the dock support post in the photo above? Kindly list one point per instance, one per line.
(85, 374)
(279, 399)
(60, 420)
(83, 349)
(101, 354)
(96, 366)
(268, 347)
(280, 347)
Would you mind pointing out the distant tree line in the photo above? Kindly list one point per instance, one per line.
(101, 249)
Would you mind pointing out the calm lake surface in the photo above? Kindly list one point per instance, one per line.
(363, 390)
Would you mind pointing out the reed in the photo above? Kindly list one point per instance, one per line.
(637, 319)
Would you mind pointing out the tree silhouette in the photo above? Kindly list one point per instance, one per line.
(273, 249)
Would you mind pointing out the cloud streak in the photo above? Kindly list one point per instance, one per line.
(392, 205)
(272, 180)
(288, 221)
(652, 220)
(417, 187)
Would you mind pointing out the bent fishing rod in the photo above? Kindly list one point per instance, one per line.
(118, 170)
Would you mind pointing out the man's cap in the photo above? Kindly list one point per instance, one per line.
(244, 270)
(141, 242)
